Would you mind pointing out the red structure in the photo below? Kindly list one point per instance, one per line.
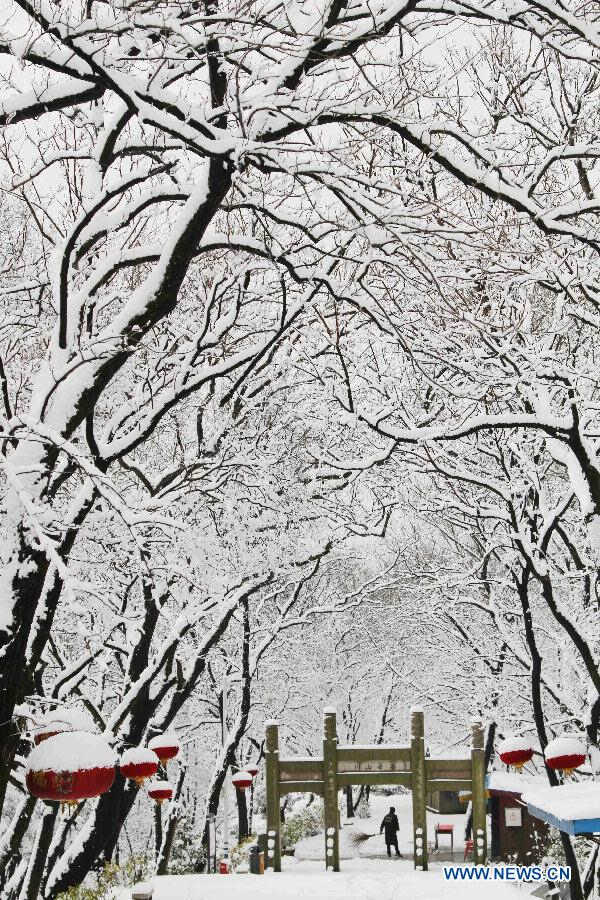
(517, 836)
(160, 791)
(515, 751)
(70, 787)
(565, 753)
(166, 746)
(139, 763)
(242, 780)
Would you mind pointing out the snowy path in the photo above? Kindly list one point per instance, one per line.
(361, 879)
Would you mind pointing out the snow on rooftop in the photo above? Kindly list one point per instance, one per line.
(271, 723)
(71, 751)
(329, 711)
(512, 782)
(567, 801)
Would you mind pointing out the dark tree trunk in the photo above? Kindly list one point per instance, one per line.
(349, 806)
(12, 840)
(242, 808)
(33, 879)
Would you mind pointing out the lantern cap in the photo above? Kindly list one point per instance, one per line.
(565, 745)
(160, 784)
(329, 711)
(137, 755)
(168, 739)
(241, 777)
(514, 742)
(271, 723)
(71, 751)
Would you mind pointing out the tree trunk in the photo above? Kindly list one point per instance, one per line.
(10, 845)
(349, 806)
(242, 808)
(30, 889)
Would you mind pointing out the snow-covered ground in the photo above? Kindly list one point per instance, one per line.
(313, 848)
(360, 879)
(366, 872)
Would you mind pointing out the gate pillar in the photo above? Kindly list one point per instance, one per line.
(273, 803)
(419, 788)
(330, 792)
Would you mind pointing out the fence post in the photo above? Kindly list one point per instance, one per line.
(273, 805)
(419, 788)
(478, 794)
(330, 793)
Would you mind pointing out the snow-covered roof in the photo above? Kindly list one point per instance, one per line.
(512, 783)
(71, 751)
(567, 801)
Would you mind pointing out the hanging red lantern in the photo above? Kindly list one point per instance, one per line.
(166, 746)
(60, 720)
(252, 770)
(241, 780)
(160, 790)
(565, 753)
(139, 763)
(70, 767)
(515, 751)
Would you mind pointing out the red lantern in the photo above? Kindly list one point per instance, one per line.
(139, 763)
(515, 751)
(160, 790)
(252, 770)
(166, 746)
(565, 753)
(70, 767)
(242, 780)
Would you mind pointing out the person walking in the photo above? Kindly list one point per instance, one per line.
(390, 826)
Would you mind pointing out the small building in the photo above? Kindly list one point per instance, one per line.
(447, 802)
(517, 834)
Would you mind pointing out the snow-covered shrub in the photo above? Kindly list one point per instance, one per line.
(364, 808)
(305, 822)
(101, 885)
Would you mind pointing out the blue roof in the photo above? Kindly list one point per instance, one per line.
(571, 826)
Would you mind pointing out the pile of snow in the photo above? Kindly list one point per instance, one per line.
(72, 751)
(567, 801)
(58, 720)
(512, 783)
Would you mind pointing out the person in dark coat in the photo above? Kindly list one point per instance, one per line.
(390, 826)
